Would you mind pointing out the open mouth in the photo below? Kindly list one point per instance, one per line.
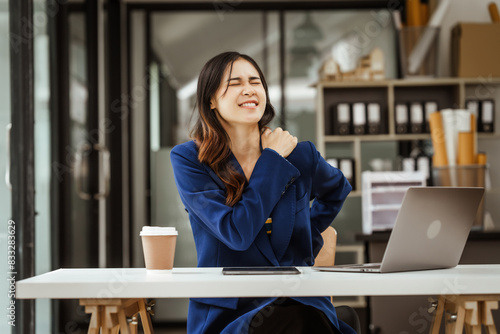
(249, 104)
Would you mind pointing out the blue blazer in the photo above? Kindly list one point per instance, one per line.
(280, 189)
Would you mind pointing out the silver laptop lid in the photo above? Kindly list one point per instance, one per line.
(431, 228)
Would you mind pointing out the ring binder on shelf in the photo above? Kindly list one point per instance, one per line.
(342, 119)
(359, 118)
(416, 117)
(473, 107)
(374, 118)
(401, 118)
(333, 162)
(486, 123)
(346, 165)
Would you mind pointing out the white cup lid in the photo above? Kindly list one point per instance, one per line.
(158, 230)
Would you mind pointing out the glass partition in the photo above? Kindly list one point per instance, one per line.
(5, 192)
(42, 157)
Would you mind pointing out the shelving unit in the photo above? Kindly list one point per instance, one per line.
(447, 92)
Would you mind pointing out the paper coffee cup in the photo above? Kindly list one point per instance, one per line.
(158, 244)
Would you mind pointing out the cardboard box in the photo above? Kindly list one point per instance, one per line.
(475, 50)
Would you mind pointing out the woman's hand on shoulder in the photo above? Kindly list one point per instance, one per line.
(280, 141)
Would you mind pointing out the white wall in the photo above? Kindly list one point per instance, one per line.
(471, 11)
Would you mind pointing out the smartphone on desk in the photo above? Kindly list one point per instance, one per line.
(260, 271)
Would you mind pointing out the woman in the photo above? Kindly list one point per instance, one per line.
(247, 190)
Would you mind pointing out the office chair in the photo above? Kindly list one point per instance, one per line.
(326, 257)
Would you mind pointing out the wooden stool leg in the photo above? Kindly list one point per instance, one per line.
(487, 317)
(454, 326)
(111, 324)
(436, 321)
(145, 318)
(467, 312)
(132, 311)
(472, 320)
(122, 320)
(109, 316)
(95, 319)
(133, 326)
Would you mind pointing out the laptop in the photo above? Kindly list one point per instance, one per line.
(430, 231)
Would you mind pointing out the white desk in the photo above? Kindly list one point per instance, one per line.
(209, 282)
(475, 282)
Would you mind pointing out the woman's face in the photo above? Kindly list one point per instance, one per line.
(244, 101)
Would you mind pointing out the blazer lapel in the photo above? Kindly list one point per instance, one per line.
(262, 242)
(283, 222)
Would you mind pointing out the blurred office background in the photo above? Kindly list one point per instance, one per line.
(113, 90)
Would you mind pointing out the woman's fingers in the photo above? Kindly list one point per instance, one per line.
(279, 140)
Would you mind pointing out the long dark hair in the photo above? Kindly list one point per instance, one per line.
(211, 138)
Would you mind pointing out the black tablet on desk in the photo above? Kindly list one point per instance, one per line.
(260, 271)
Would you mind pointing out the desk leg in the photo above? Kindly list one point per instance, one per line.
(132, 311)
(145, 318)
(487, 317)
(109, 316)
(466, 311)
(122, 321)
(454, 326)
(116, 320)
(436, 321)
(95, 318)
(110, 324)
(472, 320)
